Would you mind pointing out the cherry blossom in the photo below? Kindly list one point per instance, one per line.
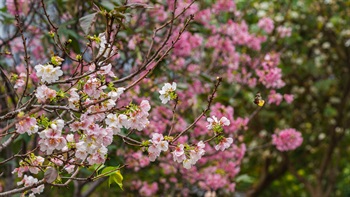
(51, 138)
(43, 93)
(29, 181)
(288, 98)
(179, 153)
(115, 95)
(27, 125)
(287, 139)
(216, 125)
(20, 81)
(48, 73)
(275, 97)
(196, 154)
(224, 144)
(105, 47)
(167, 92)
(158, 144)
(284, 31)
(266, 24)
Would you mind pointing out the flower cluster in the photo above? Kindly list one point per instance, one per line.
(93, 144)
(195, 153)
(51, 138)
(30, 164)
(157, 145)
(266, 24)
(93, 88)
(287, 139)
(277, 98)
(48, 73)
(29, 181)
(27, 125)
(43, 93)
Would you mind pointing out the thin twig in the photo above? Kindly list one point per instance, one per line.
(210, 100)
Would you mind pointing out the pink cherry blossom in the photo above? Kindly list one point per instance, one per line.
(224, 6)
(20, 81)
(287, 139)
(115, 95)
(28, 125)
(179, 153)
(271, 77)
(22, 6)
(148, 189)
(275, 97)
(224, 144)
(93, 88)
(44, 93)
(288, 98)
(266, 24)
(284, 31)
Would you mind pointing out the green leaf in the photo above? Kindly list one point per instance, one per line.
(110, 4)
(117, 178)
(96, 167)
(107, 171)
(114, 175)
(87, 21)
(245, 178)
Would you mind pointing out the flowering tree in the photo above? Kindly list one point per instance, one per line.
(141, 93)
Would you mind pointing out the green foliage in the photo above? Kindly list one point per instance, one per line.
(114, 176)
(43, 121)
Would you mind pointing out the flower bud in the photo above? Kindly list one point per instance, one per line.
(56, 60)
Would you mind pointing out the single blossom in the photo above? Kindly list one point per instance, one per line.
(115, 95)
(275, 97)
(105, 47)
(214, 122)
(179, 153)
(20, 81)
(167, 92)
(289, 98)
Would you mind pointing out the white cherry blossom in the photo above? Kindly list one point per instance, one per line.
(48, 73)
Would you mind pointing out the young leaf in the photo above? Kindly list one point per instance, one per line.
(117, 178)
(108, 171)
(50, 174)
(87, 21)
